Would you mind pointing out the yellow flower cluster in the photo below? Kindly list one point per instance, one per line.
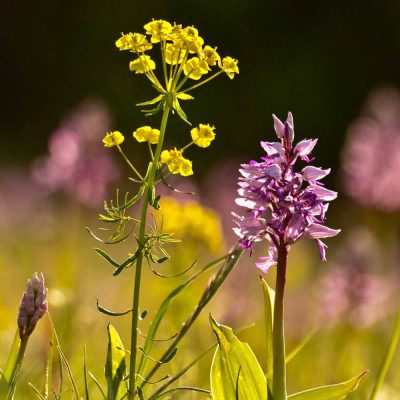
(203, 135)
(176, 163)
(180, 45)
(113, 139)
(191, 221)
(147, 134)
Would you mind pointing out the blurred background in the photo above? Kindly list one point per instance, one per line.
(335, 65)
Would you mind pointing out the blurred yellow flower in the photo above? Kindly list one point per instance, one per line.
(195, 68)
(142, 65)
(133, 42)
(158, 29)
(229, 66)
(113, 139)
(176, 163)
(147, 134)
(192, 222)
(203, 135)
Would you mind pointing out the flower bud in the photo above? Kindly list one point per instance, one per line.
(33, 305)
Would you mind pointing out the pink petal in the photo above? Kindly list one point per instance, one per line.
(313, 173)
(318, 231)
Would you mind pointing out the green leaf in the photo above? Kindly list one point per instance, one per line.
(269, 299)
(233, 356)
(330, 392)
(184, 96)
(115, 369)
(387, 359)
(111, 313)
(151, 102)
(180, 112)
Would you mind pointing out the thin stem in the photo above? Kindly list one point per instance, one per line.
(129, 163)
(200, 83)
(278, 338)
(138, 268)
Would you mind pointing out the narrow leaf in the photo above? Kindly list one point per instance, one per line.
(97, 384)
(107, 257)
(233, 356)
(387, 359)
(115, 369)
(330, 392)
(111, 313)
(300, 346)
(151, 102)
(85, 374)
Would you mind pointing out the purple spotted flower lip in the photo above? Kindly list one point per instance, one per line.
(283, 205)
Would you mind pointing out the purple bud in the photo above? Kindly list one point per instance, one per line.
(279, 127)
(33, 305)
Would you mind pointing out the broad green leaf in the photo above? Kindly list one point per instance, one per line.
(115, 369)
(235, 367)
(269, 299)
(330, 392)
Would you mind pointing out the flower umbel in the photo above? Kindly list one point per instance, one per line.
(284, 205)
(33, 305)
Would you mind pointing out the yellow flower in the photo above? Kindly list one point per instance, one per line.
(176, 163)
(186, 167)
(147, 134)
(173, 52)
(203, 135)
(210, 55)
(175, 32)
(158, 29)
(195, 68)
(190, 40)
(193, 222)
(113, 139)
(133, 42)
(142, 65)
(229, 66)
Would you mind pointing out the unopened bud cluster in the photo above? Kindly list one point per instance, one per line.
(33, 305)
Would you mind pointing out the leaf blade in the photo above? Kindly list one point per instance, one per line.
(338, 391)
(233, 356)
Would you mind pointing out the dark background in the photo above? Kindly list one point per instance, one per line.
(318, 59)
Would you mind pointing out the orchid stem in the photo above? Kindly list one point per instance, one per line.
(279, 376)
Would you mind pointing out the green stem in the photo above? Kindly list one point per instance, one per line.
(138, 268)
(8, 381)
(129, 163)
(200, 83)
(279, 375)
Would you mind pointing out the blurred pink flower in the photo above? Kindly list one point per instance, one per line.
(371, 156)
(77, 162)
(350, 291)
(20, 199)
